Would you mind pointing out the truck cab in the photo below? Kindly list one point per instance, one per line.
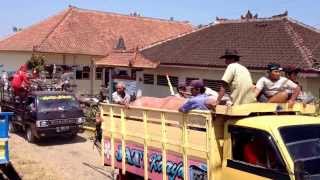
(269, 147)
(44, 114)
(252, 141)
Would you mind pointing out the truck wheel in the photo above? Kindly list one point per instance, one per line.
(30, 135)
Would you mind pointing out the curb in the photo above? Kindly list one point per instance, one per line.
(88, 128)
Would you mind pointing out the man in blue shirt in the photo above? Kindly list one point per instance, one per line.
(198, 99)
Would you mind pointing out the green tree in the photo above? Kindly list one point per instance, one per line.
(36, 63)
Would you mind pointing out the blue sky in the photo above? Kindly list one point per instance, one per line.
(23, 13)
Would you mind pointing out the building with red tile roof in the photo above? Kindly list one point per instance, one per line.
(76, 36)
(258, 40)
(81, 31)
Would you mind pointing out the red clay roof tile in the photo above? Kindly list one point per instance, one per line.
(258, 41)
(126, 59)
(80, 31)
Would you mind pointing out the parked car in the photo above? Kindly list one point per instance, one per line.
(44, 114)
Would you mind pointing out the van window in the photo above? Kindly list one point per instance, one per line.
(57, 103)
(255, 147)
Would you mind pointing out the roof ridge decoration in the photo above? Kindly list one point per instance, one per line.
(249, 17)
(37, 47)
(130, 16)
(299, 43)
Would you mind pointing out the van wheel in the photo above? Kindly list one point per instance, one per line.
(72, 136)
(30, 135)
(12, 127)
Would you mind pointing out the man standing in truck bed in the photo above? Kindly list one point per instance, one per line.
(20, 82)
(238, 78)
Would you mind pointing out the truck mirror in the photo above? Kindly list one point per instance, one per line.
(299, 171)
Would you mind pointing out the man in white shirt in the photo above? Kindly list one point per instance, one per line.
(120, 96)
(275, 88)
(238, 78)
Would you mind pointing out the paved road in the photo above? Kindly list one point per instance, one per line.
(57, 158)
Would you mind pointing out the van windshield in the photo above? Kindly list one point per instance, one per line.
(303, 144)
(57, 103)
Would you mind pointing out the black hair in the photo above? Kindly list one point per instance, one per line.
(202, 90)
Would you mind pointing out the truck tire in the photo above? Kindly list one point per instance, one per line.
(30, 135)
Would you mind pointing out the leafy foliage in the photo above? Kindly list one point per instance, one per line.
(36, 63)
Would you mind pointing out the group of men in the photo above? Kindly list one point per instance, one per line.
(273, 87)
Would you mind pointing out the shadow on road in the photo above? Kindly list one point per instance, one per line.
(60, 140)
(98, 169)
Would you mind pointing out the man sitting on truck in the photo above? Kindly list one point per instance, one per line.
(291, 73)
(276, 89)
(20, 82)
(198, 99)
(120, 96)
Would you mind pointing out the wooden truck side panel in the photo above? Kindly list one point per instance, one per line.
(168, 138)
(197, 144)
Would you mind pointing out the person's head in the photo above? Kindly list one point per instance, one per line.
(292, 72)
(230, 56)
(274, 71)
(23, 68)
(197, 87)
(182, 89)
(120, 87)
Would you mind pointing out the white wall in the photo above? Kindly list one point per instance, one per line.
(182, 73)
(309, 84)
(13, 60)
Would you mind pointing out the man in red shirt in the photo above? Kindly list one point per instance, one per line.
(20, 81)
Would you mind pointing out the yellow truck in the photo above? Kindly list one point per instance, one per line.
(253, 141)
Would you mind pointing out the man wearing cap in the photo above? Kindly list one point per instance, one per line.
(239, 79)
(275, 88)
(198, 99)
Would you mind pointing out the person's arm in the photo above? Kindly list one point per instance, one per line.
(126, 100)
(295, 93)
(222, 91)
(259, 87)
(226, 79)
(189, 105)
(116, 98)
